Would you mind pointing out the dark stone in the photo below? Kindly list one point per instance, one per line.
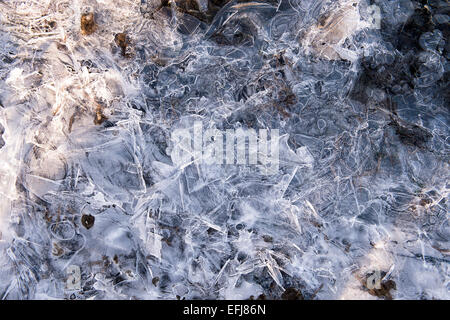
(122, 41)
(88, 24)
(87, 221)
(292, 294)
(411, 134)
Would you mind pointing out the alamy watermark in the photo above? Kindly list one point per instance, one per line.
(229, 147)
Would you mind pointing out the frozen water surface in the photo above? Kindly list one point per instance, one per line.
(94, 207)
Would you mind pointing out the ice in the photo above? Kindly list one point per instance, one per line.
(87, 131)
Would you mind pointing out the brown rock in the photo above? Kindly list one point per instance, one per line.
(122, 42)
(88, 25)
(385, 290)
(99, 116)
(87, 221)
(57, 250)
(292, 294)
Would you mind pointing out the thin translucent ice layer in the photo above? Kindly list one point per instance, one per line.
(88, 185)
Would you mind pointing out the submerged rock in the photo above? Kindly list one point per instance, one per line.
(87, 221)
(292, 294)
(122, 41)
(88, 25)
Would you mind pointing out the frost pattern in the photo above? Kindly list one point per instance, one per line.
(86, 176)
